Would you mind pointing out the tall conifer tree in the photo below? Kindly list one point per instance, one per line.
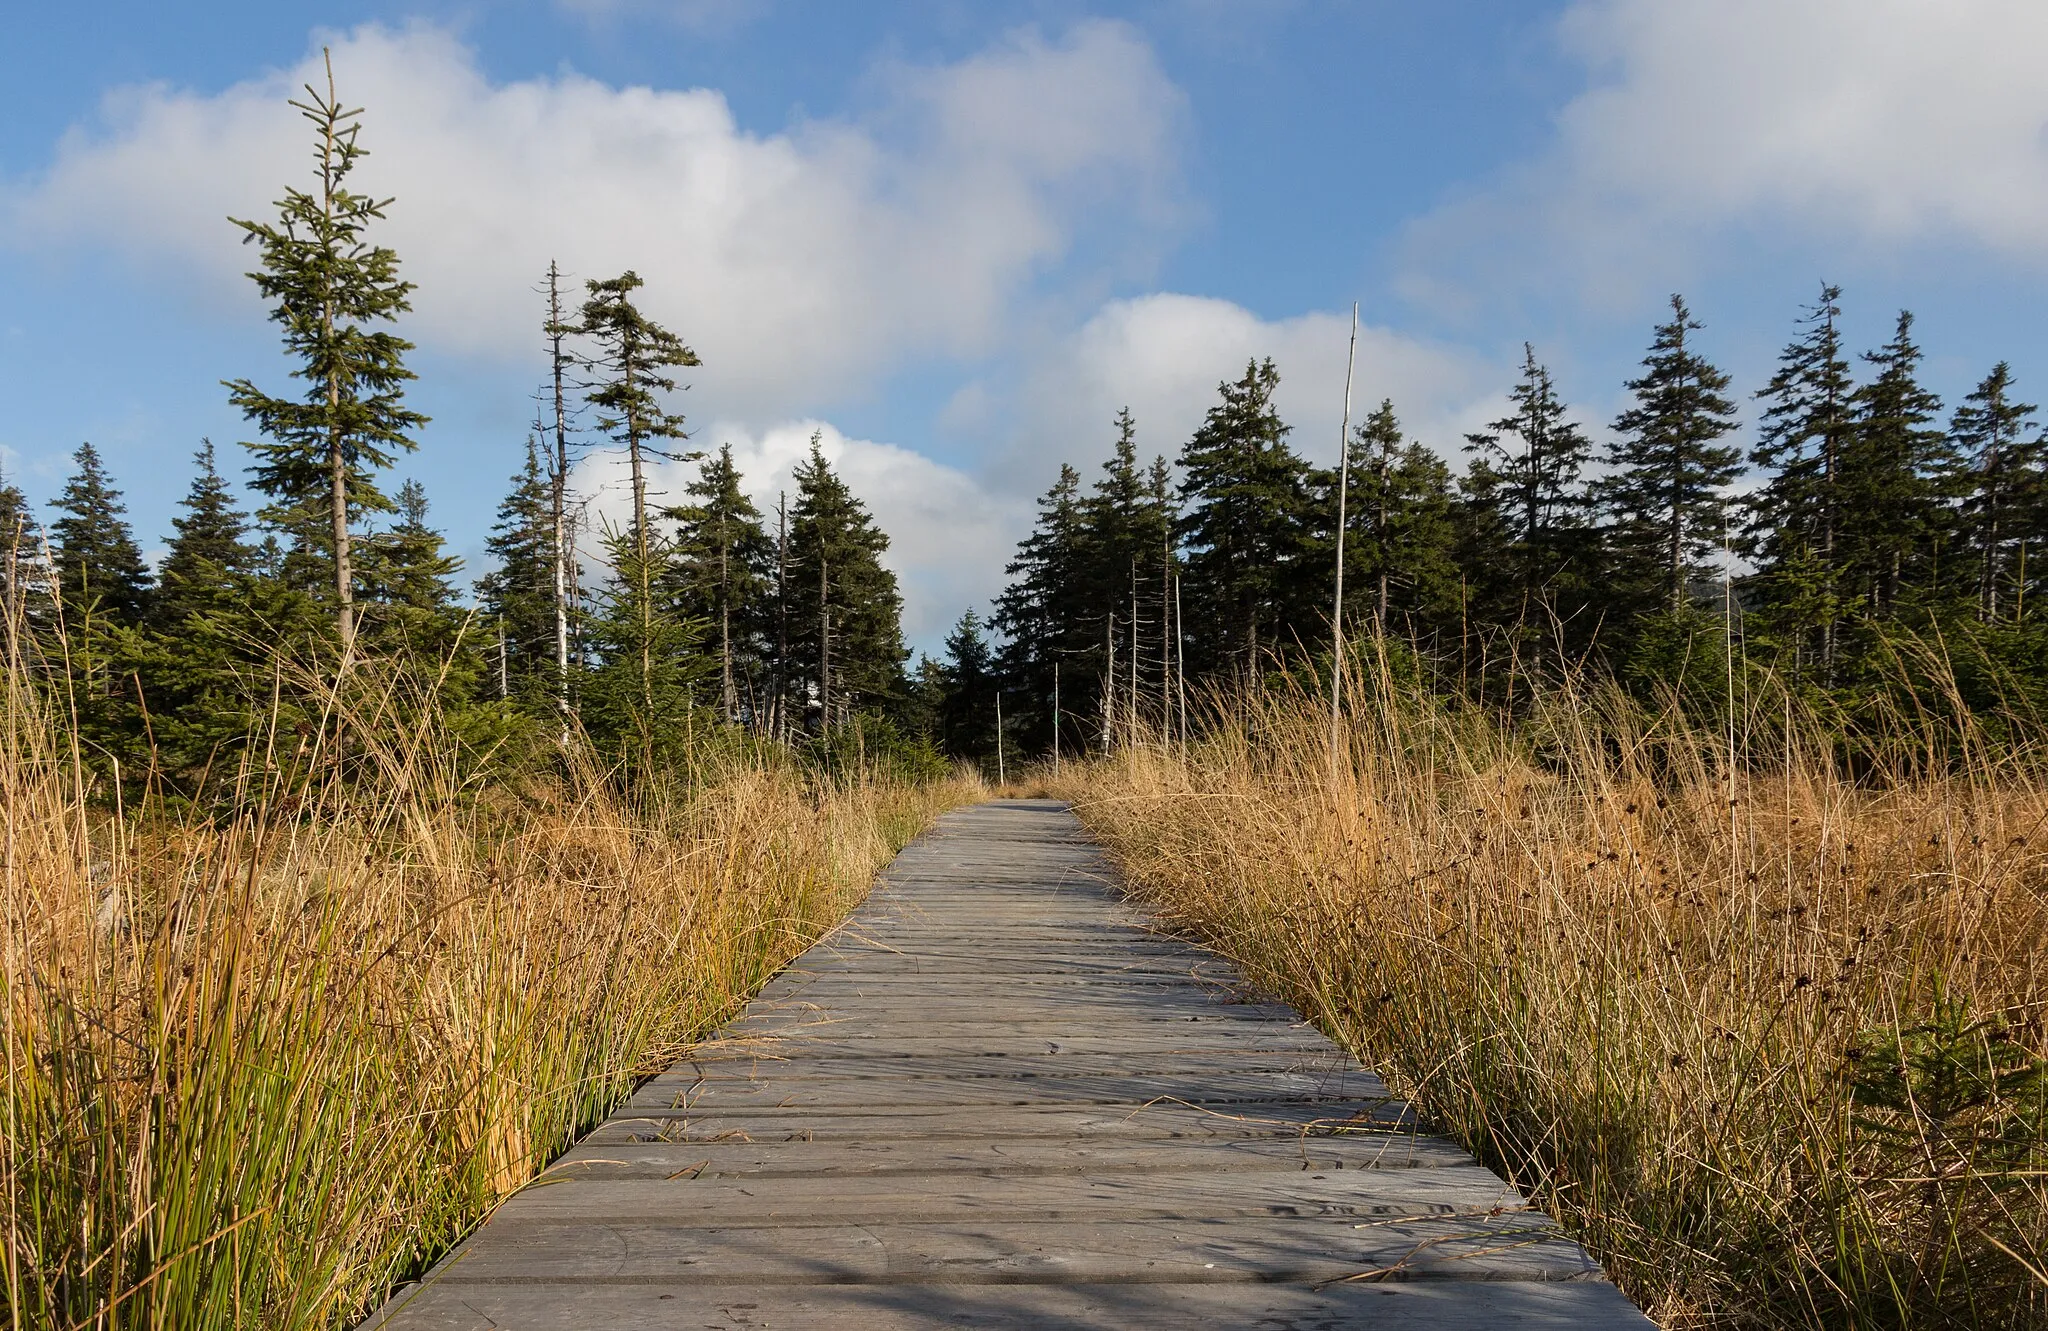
(210, 553)
(1527, 540)
(99, 567)
(1244, 503)
(1051, 631)
(24, 577)
(1895, 526)
(967, 706)
(1668, 485)
(104, 589)
(632, 359)
(1400, 550)
(330, 286)
(1127, 531)
(721, 574)
(408, 583)
(1795, 519)
(845, 633)
(1999, 480)
(518, 593)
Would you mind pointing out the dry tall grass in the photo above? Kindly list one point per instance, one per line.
(257, 1070)
(1770, 1042)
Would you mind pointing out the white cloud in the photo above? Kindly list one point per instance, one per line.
(801, 265)
(1163, 355)
(1859, 122)
(948, 536)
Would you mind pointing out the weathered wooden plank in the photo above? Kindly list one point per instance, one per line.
(951, 1038)
(1155, 1122)
(698, 1202)
(1412, 1306)
(1300, 1249)
(610, 1158)
(1002, 1097)
(763, 1065)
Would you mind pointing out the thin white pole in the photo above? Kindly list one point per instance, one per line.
(1055, 719)
(1002, 772)
(1133, 730)
(1180, 659)
(1343, 498)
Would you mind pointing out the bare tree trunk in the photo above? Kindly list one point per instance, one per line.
(1109, 680)
(1132, 731)
(1987, 595)
(1829, 436)
(1166, 625)
(558, 497)
(782, 613)
(337, 458)
(1379, 533)
(344, 572)
(824, 649)
(725, 620)
(1180, 662)
(1343, 500)
(644, 573)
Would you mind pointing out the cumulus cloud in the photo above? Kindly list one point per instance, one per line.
(1866, 122)
(1163, 355)
(948, 535)
(802, 265)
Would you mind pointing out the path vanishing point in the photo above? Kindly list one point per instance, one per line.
(998, 1097)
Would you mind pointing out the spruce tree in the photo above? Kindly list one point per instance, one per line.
(640, 698)
(721, 574)
(1999, 462)
(103, 593)
(220, 620)
(100, 573)
(1667, 487)
(409, 567)
(1794, 528)
(1051, 630)
(408, 584)
(330, 286)
(844, 611)
(518, 594)
(632, 357)
(967, 707)
(557, 329)
(1244, 503)
(1126, 534)
(24, 577)
(1894, 526)
(1525, 534)
(1400, 549)
(210, 554)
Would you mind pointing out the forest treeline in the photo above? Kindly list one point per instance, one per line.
(702, 619)
(1860, 523)
(1865, 546)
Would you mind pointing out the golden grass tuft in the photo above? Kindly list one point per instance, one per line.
(1769, 1040)
(260, 1068)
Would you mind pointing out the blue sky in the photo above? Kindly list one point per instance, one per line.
(956, 237)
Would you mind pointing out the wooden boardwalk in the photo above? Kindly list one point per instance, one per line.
(995, 1098)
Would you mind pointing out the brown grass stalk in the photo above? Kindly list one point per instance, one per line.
(261, 1065)
(1767, 1038)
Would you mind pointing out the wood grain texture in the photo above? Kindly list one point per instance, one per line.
(998, 1096)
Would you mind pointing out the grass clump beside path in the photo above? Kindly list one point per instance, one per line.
(1768, 1039)
(261, 1066)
